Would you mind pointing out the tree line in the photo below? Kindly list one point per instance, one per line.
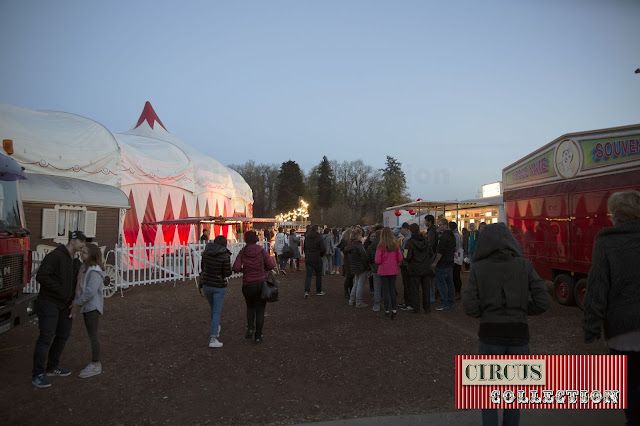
(338, 193)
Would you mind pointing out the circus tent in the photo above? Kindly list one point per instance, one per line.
(163, 177)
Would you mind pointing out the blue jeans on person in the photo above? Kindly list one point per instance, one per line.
(55, 328)
(215, 297)
(490, 416)
(337, 257)
(311, 269)
(358, 288)
(282, 259)
(632, 412)
(444, 280)
(388, 284)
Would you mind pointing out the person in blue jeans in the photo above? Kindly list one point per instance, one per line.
(216, 267)
(443, 265)
(502, 290)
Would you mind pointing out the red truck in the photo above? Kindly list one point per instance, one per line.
(556, 201)
(15, 258)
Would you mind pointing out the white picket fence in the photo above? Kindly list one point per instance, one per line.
(145, 264)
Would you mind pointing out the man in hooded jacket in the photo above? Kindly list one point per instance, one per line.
(418, 258)
(313, 252)
(502, 289)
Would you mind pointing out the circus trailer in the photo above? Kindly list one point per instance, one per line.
(556, 201)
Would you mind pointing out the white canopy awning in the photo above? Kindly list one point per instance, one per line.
(59, 190)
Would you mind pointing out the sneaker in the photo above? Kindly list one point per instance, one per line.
(401, 305)
(351, 303)
(306, 294)
(376, 308)
(40, 381)
(322, 293)
(215, 343)
(362, 305)
(393, 315)
(386, 314)
(249, 333)
(58, 372)
(442, 308)
(90, 370)
(407, 308)
(259, 339)
(282, 271)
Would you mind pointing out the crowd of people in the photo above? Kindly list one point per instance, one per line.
(502, 288)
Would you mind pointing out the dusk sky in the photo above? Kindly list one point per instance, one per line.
(456, 90)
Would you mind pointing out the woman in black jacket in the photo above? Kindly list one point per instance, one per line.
(359, 268)
(216, 267)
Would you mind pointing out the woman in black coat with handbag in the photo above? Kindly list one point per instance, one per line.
(216, 267)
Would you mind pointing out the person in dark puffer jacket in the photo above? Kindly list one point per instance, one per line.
(216, 267)
(374, 239)
(359, 268)
(612, 300)
(313, 253)
(418, 257)
(502, 290)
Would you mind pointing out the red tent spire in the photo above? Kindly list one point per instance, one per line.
(150, 116)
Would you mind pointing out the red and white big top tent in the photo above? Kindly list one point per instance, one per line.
(163, 177)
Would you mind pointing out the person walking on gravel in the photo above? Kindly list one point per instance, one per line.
(254, 262)
(216, 268)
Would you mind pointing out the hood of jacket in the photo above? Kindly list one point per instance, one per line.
(252, 250)
(496, 239)
(213, 249)
(353, 246)
(418, 241)
(624, 228)
(311, 236)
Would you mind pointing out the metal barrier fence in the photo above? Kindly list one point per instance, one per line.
(147, 264)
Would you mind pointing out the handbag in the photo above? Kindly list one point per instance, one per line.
(269, 286)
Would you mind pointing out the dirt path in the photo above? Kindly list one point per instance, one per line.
(320, 360)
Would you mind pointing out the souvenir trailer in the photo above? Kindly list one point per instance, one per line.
(556, 201)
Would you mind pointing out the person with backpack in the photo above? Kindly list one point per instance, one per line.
(418, 255)
(279, 247)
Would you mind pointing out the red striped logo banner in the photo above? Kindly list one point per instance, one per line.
(541, 381)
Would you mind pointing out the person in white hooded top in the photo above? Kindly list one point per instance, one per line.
(89, 301)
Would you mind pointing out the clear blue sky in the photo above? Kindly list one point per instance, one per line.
(459, 89)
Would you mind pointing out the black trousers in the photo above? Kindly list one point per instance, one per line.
(55, 328)
(420, 282)
(348, 284)
(255, 307)
(91, 322)
(406, 284)
(457, 281)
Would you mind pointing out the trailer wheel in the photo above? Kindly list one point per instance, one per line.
(563, 289)
(580, 291)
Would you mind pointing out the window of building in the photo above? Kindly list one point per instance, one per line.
(60, 220)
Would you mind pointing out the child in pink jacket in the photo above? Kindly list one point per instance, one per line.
(388, 256)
